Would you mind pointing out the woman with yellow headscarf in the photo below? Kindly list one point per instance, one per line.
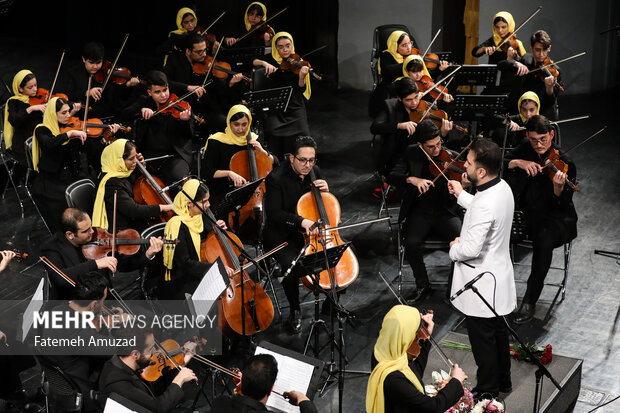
(118, 162)
(503, 25)
(282, 128)
(220, 148)
(255, 13)
(187, 23)
(55, 156)
(183, 266)
(395, 384)
(20, 118)
(414, 67)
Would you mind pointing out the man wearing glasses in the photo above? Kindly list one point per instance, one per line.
(284, 186)
(547, 204)
(427, 209)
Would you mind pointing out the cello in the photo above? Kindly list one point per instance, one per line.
(251, 165)
(257, 313)
(147, 190)
(316, 205)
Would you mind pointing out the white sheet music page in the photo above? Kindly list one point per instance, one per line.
(210, 288)
(292, 375)
(112, 406)
(35, 304)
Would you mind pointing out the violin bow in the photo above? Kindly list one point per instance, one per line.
(262, 24)
(214, 21)
(212, 63)
(430, 107)
(448, 76)
(433, 162)
(90, 80)
(585, 140)
(314, 51)
(557, 122)
(114, 226)
(118, 54)
(64, 276)
(431, 43)
(62, 56)
(539, 8)
(555, 63)
(455, 159)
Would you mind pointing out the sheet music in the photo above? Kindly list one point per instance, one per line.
(292, 375)
(112, 406)
(35, 304)
(210, 288)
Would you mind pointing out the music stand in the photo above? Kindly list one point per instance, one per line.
(477, 75)
(240, 56)
(268, 100)
(476, 108)
(237, 199)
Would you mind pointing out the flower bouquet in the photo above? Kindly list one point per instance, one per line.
(484, 406)
(440, 380)
(544, 354)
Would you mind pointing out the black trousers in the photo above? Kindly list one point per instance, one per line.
(417, 228)
(547, 236)
(491, 349)
(285, 257)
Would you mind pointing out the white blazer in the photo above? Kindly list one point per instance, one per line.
(485, 244)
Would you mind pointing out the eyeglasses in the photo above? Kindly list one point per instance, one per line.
(437, 145)
(537, 141)
(410, 44)
(306, 161)
(201, 51)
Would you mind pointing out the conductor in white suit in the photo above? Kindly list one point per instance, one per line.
(483, 246)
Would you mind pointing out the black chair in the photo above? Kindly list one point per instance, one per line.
(62, 395)
(81, 194)
(28, 149)
(148, 281)
(379, 44)
(259, 79)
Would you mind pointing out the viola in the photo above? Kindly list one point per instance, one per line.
(161, 360)
(43, 96)
(294, 63)
(127, 241)
(551, 70)
(317, 205)
(552, 164)
(147, 190)
(221, 70)
(453, 168)
(436, 92)
(435, 115)
(174, 107)
(257, 307)
(251, 165)
(94, 127)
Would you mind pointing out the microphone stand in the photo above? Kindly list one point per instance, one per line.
(241, 250)
(542, 370)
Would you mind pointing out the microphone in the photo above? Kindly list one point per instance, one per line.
(175, 184)
(294, 262)
(467, 286)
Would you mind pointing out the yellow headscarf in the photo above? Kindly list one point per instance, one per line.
(171, 232)
(392, 47)
(8, 128)
(414, 57)
(50, 120)
(278, 58)
(228, 137)
(398, 330)
(180, 15)
(113, 164)
(528, 96)
(497, 39)
(248, 25)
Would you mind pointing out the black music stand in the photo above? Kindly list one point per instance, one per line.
(238, 57)
(476, 75)
(269, 100)
(477, 108)
(235, 200)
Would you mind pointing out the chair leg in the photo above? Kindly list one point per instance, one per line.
(9, 173)
(567, 252)
(36, 207)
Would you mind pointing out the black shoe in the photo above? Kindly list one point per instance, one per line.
(525, 313)
(420, 294)
(293, 323)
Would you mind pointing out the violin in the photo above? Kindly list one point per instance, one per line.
(435, 115)
(324, 206)
(19, 256)
(251, 165)
(147, 190)
(221, 70)
(257, 307)
(162, 360)
(94, 127)
(120, 75)
(508, 41)
(436, 92)
(552, 164)
(431, 60)
(453, 168)
(550, 70)
(43, 96)
(259, 30)
(174, 107)
(416, 345)
(127, 241)
(294, 63)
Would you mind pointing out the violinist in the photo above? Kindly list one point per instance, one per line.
(527, 106)
(544, 85)
(394, 126)
(56, 158)
(64, 250)
(118, 162)
(427, 209)
(414, 67)
(20, 118)
(284, 187)
(282, 128)
(161, 134)
(390, 68)
(187, 23)
(395, 384)
(255, 13)
(547, 203)
(183, 268)
(220, 148)
(121, 373)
